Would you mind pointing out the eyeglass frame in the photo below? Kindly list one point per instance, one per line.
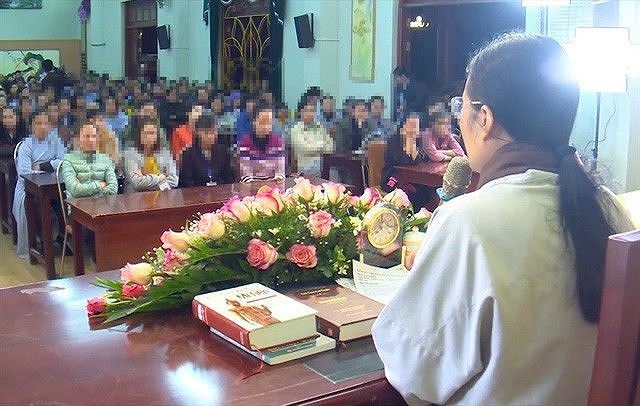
(457, 102)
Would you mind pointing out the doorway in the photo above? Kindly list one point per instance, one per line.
(141, 40)
(437, 38)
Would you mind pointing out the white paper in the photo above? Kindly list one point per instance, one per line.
(379, 284)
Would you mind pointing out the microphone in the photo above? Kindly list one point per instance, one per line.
(456, 179)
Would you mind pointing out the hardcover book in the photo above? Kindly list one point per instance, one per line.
(286, 352)
(255, 316)
(341, 313)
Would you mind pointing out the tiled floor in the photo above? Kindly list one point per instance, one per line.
(14, 271)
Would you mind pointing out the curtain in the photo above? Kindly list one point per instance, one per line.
(214, 37)
(276, 26)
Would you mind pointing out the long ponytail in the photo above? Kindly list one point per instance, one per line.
(585, 225)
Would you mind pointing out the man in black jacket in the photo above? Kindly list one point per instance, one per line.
(409, 95)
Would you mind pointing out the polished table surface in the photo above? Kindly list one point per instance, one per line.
(41, 187)
(127, 226)
(51, 354)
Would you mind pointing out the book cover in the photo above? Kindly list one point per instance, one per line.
(341, 313)
(255, 316)
(286, 352)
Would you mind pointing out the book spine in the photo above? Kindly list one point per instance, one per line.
(327, 328)
(215, 320)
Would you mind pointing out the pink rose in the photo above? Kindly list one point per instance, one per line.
(136, 273)
(423, 214)
(236, 209)
(399, 198)
(303, 189)
(132, 290)
(96, 305)
(303, 255)
(175, 241)
(354, 201)
(334, 191)
(261, 254)
(320, 223)
(268, 200)
(369, 198)
(211, 226)
(171, 260)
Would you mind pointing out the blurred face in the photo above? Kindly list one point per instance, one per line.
(14, 90)
(251, 104)
(236, 103)
(360, 112)
(194, 114)
(216, 106)
(26, 109)
(110, 107)
(328, 106)
(40, 126)
(411, 128)
(80, 102)
(441, 127)
(149, 136)
(148, 110)
(9, 118)
(53, 113)
(268, 97)
(377, 108)
(202, 95)
(307, 114)
(88, 139)
(263, 123)
(283, 114)
(3, 101)
(42, 101)
(64, 107)
(208, 137)
(99, 123)
(24, 92)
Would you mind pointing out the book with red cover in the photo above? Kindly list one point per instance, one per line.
(341, 313)
(255, 316)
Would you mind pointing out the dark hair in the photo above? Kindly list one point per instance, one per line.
(206, 121)
(525, 80)
(373, 98)
(47, 65)
(260, 106)
(138, 125)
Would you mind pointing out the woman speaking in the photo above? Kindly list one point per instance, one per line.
(502, 303)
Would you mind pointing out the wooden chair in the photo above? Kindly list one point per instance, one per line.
(375, 161)
(616, 366)
(67, 225)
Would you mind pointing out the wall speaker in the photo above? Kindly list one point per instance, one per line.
(164, 41)
(304, 30)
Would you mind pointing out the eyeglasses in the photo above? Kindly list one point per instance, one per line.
(456, 105)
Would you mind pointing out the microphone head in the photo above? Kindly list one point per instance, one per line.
(457, 177)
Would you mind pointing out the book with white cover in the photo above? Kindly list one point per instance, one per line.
(286, 352)
(255, 316)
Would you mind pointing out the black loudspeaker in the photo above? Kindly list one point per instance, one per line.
(164, 41)
(304, 31)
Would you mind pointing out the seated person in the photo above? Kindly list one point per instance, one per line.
(502, 303)
(261, 153)
(148, 166)
(206, 163)
(116, 119)
(11, 132)
(353, 129)
(40, 152)
(404, 148)
(182, 136)
(310, 140)
(438, 141)
(85, 171)
(380, 126)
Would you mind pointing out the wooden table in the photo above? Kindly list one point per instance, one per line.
(50, 354)
(429, 174)
(42, 188)
(354, 164)
(128, 226)
(8, 178)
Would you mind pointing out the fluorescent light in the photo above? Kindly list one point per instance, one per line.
(545, 3)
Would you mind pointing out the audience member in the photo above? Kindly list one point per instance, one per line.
(261, 152)
(11, 132)
(438, 141)
(353, 129)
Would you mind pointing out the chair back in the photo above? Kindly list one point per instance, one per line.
(614, 379)
(375, 161)
(61, 196)
(15, 150)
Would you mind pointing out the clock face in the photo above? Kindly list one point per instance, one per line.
(383, 228)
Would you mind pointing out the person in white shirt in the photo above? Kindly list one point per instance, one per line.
(310, 140)
(502, 302)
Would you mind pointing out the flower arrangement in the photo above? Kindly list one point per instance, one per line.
(306, 234)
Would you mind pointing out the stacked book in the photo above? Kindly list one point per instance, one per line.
(262, 322)
(277, 328)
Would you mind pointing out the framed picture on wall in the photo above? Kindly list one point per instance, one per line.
(17, 4)
(363, 23)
